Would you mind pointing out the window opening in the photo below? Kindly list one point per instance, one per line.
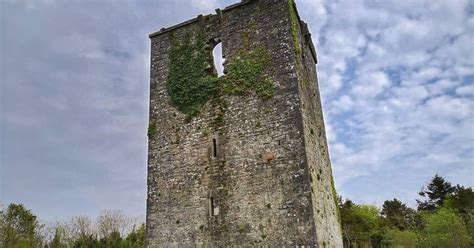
(214, 147)
(218, 59)
(211, 206)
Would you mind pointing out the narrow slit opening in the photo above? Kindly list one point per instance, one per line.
(218, 59)
(211, 206)
(214, 148)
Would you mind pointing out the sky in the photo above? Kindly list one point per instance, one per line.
(397, 83)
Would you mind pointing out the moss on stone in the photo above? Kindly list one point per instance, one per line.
(247, 73)
(151, 129)
(334, 195)
(188, 84)
(191, 82)
(294, 26)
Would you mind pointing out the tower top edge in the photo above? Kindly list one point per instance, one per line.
(185, 23)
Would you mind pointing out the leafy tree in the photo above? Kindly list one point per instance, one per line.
(434, 193)
(401, 239)
(397, 214)
(444, 228)
(136, 238)
(87, 242)
(18, 227)
(462, 200)
(360, 224)
(113, 240)
(58, 241)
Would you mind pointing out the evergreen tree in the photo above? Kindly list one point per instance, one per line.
(57, 241)
(136, 238)
(462, 200)
(397, 214)
(434, 193)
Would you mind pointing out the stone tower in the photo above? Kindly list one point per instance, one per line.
(241, 159)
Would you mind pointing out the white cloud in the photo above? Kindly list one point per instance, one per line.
(388, 73)
(441, 86)
(467, 90)
(370, 84)
(205, 5)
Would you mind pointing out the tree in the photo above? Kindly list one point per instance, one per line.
(444, 228)
(18, 227)
(434, 193)
(81, 228)
(111, 221)
(87, 242)
(360, 224)
(462, 200)
(112, 240)
(397, 214)
(136, 238)
(401, 239)
(58, 239)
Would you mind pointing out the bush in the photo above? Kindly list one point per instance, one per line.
(401, 239)
(444, 229)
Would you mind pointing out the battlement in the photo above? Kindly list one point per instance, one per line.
(306, 34)
(199, 18)
(239, 159)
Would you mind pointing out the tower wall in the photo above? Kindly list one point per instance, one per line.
(244, 170)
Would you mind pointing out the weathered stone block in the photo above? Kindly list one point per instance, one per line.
(247, 164)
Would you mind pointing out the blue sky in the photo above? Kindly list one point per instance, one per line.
(397, 82)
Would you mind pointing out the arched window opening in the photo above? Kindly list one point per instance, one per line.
(218, 59)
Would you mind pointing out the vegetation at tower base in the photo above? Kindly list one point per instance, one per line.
(192, 81)
(448, 224)
(20, 228)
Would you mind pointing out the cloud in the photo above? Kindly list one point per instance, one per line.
(467, 90)
(204, 4)
(396, 80)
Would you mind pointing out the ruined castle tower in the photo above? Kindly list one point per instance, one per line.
(240, 159)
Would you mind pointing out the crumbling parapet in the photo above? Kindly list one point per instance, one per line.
(242, 159)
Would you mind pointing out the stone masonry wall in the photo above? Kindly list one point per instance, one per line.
(317, 154)
(268, 183)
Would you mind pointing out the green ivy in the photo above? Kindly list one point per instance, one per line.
(189, 85)
(191, 82)
(336, 202)
(151, 129)
(247, 73)
(294, 26)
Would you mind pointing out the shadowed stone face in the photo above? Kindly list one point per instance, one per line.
(240, 159)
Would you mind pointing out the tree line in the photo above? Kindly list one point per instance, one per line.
(20, 228)
(444, 218)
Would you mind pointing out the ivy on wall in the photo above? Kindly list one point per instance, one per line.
(294, 26)
(247, 73)
(188, 84)
(192, 81)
